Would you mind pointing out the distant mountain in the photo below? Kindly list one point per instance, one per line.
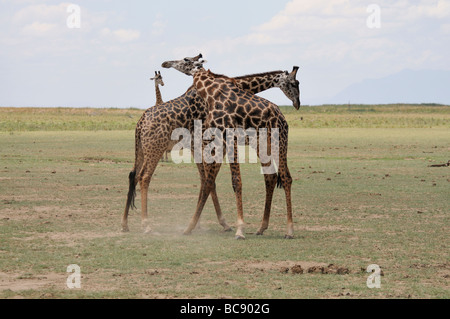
(407, 86)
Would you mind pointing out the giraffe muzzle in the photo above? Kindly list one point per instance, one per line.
(297, 104)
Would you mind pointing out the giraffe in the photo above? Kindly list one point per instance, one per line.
(153, 131)
(159, 81)
(229, 106)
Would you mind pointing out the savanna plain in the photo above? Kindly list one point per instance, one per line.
(371, 185)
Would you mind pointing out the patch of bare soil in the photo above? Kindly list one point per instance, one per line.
(16, 282)
(68, 238)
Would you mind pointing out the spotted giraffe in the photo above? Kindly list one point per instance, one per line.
(159, 82)
(154, 129)
(229, 106)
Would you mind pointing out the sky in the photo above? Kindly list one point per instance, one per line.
(47, 59)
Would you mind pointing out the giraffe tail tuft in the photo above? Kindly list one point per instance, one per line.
(131, 190)
(279, 181)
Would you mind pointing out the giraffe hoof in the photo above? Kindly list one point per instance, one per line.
(239, 237)
(288, 236)
(261, 231)
(125, 230)
(187, 233)
(227, 230)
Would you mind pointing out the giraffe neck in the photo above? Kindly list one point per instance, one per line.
(259, 82)
(254, 83)
(158, 95)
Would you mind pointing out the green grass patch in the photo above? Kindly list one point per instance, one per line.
(361, 196)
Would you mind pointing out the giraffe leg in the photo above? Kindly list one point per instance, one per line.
(220, 218)
(145, 177)
(211, 171)
(125, 228)
(287, 189)
(237, 186)
(215, 199)
(286, 182)
(270, 183)
(286, 179)
(144, 214)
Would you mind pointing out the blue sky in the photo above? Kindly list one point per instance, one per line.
(108, 61)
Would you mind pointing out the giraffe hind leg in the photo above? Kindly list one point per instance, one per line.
(144, 177)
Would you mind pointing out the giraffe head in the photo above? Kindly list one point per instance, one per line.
(188, 66)
(288, 83)
(158, 78)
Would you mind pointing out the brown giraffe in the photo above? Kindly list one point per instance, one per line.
(159, 81)
(154, 129)
(231, 107)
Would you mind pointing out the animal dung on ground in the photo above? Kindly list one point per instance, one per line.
(330, 269)
(297, 269)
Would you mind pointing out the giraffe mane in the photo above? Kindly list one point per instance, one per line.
(238, 77)
(222, 76)
(257, 74)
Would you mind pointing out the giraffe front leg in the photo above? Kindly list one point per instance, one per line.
(221, 219)
(211, 171)
(214, 198)
(286, 181)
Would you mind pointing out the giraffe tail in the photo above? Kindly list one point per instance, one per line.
(131, 190)
(279, 181)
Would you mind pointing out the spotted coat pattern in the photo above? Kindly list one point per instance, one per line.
(154, 129)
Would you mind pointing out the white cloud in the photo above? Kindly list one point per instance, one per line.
(120, 35)
(41, 13)
(38, 29)
(159, 25)
(126, 35)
